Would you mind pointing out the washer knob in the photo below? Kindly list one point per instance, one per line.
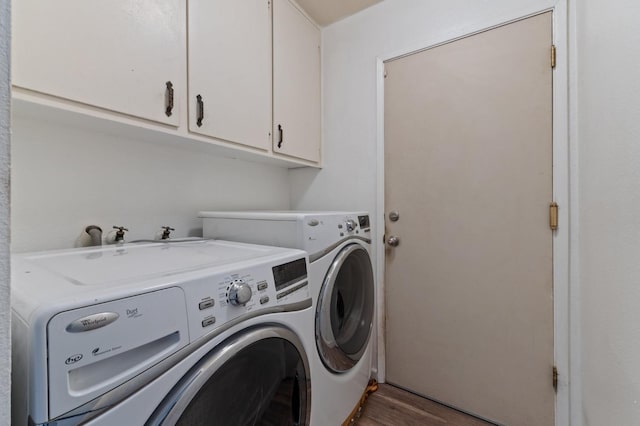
(239, 292)
(351, 225)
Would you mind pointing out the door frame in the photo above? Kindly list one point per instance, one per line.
(564, 152)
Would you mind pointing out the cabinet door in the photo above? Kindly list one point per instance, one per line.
(296, 83)
(117, 55)
(230, 70)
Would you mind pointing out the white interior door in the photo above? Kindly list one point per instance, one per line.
(468, 169)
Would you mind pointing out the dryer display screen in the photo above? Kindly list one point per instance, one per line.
(363, 221)
(289, 273)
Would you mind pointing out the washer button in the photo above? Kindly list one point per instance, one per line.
(262, 285)
(264, 299)
(206, 304)
(208, 321)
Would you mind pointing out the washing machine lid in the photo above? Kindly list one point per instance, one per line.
(318, 233)
(63, 279)
(139, 262)
(278, 215)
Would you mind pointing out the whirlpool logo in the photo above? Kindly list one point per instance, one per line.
(133, 313)
(73, 359)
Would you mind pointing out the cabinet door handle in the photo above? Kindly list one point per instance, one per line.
(281, 135)
(200, 110)
(168, 99)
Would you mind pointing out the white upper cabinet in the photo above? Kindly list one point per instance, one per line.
(296, 83)
(230, 70)
(117, 55)
(239, 77)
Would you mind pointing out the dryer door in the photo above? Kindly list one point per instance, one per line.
(344, 313)
(259, 377)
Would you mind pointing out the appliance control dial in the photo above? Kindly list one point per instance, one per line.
(239, 292)
(351, 225)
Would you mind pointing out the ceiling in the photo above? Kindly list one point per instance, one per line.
(326, 12)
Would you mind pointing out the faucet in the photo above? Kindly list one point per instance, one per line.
(95, 232)
(120, 230)
(167, 232)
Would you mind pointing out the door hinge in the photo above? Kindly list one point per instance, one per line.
(555, 378)
(553, 56)
(553, 216)
(384, 72)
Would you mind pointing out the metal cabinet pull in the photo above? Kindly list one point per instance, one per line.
(168, 99)
(200, 110)
(281, 133)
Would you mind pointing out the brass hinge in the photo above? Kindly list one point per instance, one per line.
(555, 378)
(553, 216)
(553, 56)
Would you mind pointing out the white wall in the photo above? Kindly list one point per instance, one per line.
(609, 174)
(5, 352)
(64, 179)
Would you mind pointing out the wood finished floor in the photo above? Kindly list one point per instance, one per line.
(390, 406)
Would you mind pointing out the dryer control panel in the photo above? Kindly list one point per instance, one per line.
(225, 300)
(323, 231)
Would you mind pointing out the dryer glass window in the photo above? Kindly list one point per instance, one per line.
(345, 309)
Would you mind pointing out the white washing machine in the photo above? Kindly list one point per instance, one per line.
(191, 333)
(343, 291)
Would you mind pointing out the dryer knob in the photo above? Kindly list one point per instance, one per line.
(239, 293)
(351, 225)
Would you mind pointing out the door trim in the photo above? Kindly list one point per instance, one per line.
(563, 164)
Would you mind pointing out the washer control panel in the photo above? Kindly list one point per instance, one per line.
(238, 293)
(214, 301)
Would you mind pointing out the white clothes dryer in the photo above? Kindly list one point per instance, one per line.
(188, 333)
(343, 291)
